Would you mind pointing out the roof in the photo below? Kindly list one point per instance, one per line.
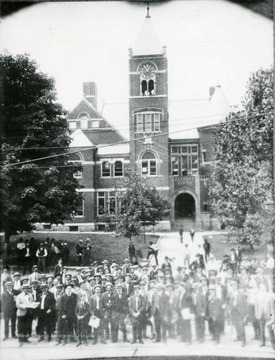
(102, 136)
(79, 139)
(147, 42)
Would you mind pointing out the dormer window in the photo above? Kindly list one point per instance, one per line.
(83, 119)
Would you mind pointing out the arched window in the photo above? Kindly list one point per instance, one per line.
(149, 164)
(144, 87)
(151, 87)
(84, 120)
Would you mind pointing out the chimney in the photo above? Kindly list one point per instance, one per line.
(90, 93)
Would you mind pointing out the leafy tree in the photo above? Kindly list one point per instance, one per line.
(33, 127)
(139, 205)
(241, 186)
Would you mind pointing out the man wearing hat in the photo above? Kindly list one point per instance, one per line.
(136, 308)
(58, 269)
(16, 283)
(45, 313)
(121, 309)
(199, 308)
(79, 249)
(23, 303)
(184, 309)
(97, 311)
(160, 304)
(128, 286)
(215, 314)
(9, 309)
(126, 267)
(34, 275)
(238, 310)
(66, 315)
(132, 252)
(108, 301)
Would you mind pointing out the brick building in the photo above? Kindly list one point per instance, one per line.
(177, 163)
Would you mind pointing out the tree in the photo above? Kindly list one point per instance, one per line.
(37, 183)
(241, 185)
(139, 205)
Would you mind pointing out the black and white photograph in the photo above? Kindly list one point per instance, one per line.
(137, 180)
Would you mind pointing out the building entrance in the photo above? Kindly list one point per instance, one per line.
(185, 211)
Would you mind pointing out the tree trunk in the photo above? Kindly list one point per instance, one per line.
(251, 247)
(7, 241)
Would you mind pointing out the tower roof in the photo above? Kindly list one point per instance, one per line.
(219, 105)
(147, 42)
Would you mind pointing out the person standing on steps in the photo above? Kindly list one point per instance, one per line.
(181, 233)
(192, 233)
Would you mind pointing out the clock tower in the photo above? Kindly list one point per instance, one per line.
(148, 107)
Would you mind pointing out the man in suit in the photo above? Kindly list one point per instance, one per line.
(184, 308)
(16, 283)
(128, 286)
(215, 314)
(159, 310)
(98, 312)
(136, 308)
(23, 303)
(199, 309)
(238, 311)
(9, 309)
(263, 309)
(121, 309)
(58, 269)
(108, 308)
(221, 293)
(132, 252)
(45, 313)
(66, 315)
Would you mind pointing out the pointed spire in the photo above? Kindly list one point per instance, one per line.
(147, 42)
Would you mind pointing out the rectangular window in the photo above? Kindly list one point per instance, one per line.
(95, 124)
(47, 227)
(145, 168)
(153, 167)
(175, 166)
(73, 228)
(184, 166)
(72, 125)
(84, 124)
(148, 125)
(194, 149)
(105, 169)
(174, 149)
(112, 204)
(184, 149)
(118, 168)
(156, 122)
(101, 203)
(79, 212)
(139, 119)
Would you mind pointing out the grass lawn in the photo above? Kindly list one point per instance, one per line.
(104, 245)
(220, 247)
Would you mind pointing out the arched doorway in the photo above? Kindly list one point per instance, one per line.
(185, 210)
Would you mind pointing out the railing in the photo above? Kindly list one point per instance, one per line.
(189, 178)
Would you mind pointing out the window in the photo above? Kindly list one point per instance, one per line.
(84, 121)
(118, 168)
(148, 122)
(101, 203)
(72, 125)
(149, 164)
(79, 212)
(95, 124)
(203, 156)
(73, 228)
(139, 123)
(106, 202)
(144, 87)
(184, 160)
(157, 122)
(106, 169)
(47, 227)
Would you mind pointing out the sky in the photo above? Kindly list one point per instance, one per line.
(208, 43)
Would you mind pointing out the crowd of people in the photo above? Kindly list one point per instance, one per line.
(140, 297)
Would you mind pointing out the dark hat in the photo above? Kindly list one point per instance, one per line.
(43, 286)
(71, 285)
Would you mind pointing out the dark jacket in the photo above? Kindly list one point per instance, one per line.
(8, 303)
(49, 303)
(67, 305)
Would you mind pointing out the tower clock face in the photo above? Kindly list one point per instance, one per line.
(147, 71)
